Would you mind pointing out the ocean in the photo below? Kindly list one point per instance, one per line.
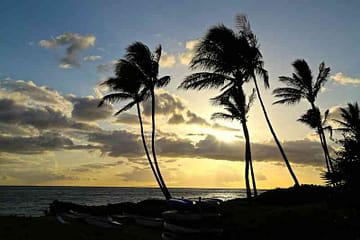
(32, 201)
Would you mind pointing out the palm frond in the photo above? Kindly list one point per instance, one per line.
(115, 97)
(157, 53)
(311, 118)
(288, 95)
(303, 72)
(163, 81)
(203, 80)
(140, 55)
(126, 107)
(250, 101)
(321, 78)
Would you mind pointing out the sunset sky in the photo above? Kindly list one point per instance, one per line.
(54, 54)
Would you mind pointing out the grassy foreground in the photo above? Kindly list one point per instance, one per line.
(306, 213)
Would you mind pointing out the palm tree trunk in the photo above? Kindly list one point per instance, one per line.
(248, 155)
(327, 151)
(322, 140)
(247, 160)
(296, 182)
(166, 191)
(146, 149)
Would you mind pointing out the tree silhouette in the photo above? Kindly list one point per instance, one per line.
(225, 57)
(302, 86)
(347, 163)
(237, 108)
(136, 79)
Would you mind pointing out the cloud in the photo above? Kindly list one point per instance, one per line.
(165, 104)
(186, 57)
(137, 174)
(167, 60)
(28, 93)
(342, 79)
(218, 126)
(85, 109)
(131, 119)
(34, 145)
(92, 58)
(74, 43)
(305, 151)
(176, 119)
(193, 118)
(96, 166)
(117, 143)
(38, 176)
(106, 67)
(41, 118)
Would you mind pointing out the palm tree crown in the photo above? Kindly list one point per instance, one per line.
(136, 79)
(301, 85)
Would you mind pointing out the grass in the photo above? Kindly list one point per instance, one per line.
(310, 212)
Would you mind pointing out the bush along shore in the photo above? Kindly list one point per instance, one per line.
(305, 212)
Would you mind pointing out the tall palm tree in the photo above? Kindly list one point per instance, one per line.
(225, 57)
(254, 66)
(136, 79)
(302, 86)
(148, 63)
(234, 101)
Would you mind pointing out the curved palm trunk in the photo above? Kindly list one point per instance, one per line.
(248, 155)
(296, 182)
(327, 151)
(247, 161)
(146, 149)
(165, 189)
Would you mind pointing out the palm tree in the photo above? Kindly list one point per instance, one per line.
(148, 64)
(347, 162)
(136, 79)
(229, 56)
(234, 101)
(302, 86)
(351, 120)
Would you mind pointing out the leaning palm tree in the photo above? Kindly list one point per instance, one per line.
(234, 102)
(302, 86)
(148, 64)
(136, 78)
(225, 56)
(254, 67)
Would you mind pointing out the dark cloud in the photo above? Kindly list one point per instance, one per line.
(165, 103)
(131, 119)
(193, 118)
(85, 109)
(34, 145)
(117, 143)
(74, 43)
(176, 119)
(96, 166)
(41, 117)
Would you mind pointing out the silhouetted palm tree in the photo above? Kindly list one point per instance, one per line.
(347, 161)
(148, 64)
(227, 56)
(351, 120)
(302, 86)
(234, 102)
(136, 78)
